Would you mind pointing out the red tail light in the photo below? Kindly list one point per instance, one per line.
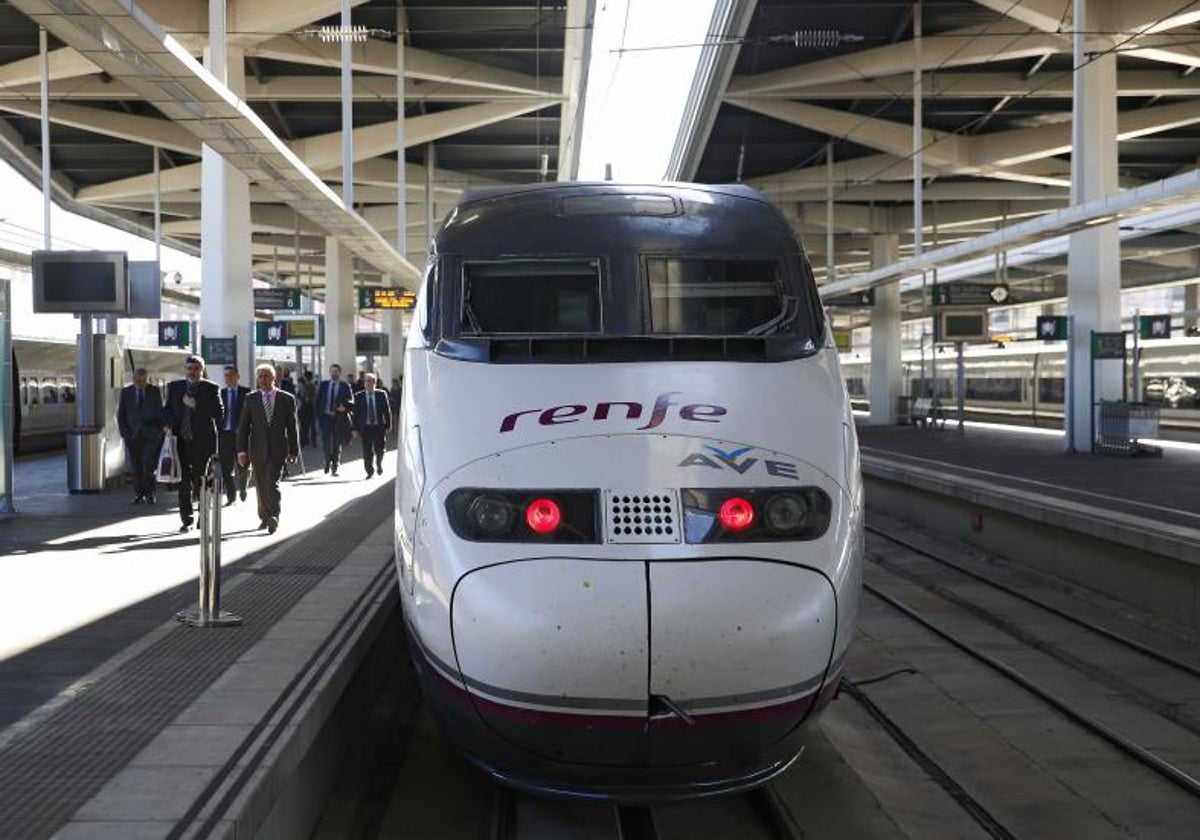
(736, 514)
(543, 516)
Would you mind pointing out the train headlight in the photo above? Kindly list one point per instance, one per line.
(785, 514)
(491, 515)
(760, 514)
(486, 514)
(736, 514)
(543, 516)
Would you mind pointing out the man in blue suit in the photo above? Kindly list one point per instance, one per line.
(233, 397)
(372, 420)
(334, 404)
(139, 416)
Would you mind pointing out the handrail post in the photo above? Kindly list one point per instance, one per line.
(208, 612)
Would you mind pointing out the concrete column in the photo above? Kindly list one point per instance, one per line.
(886, 371)
(1094, 259)
(340, 307)
(393, 321)
(226, 301)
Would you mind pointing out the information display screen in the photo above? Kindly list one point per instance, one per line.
(80, 281)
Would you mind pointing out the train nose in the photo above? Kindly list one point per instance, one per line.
(646, 663)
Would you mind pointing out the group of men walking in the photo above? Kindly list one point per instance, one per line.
(246, 429)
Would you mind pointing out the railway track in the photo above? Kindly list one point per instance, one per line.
(757, 815)
(986, 632)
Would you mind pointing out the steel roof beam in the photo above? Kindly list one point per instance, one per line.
(1043, 15)
(984, 85)
(973, 45)
(152, 131)
(380, 57)
(323, 152)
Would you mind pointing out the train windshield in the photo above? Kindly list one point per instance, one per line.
(696, 297)
(528, 297)
(715, 297)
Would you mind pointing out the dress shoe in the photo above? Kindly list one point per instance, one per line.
(150, 499)
(138, 499)
(327, 467)
(272, 524)
(379, 467)
(333, 471)
(370, 474)
(229, 503)
(243, 494)
(262, 524)
(185, 527)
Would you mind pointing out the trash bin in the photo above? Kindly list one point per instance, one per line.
(85, 460)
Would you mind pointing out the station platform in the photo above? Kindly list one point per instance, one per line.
(118, 721)
(1126, 526)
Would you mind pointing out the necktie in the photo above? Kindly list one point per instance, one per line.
(371, 408)
(230, 408)
(268, 405)
(140, 397)
(329, 398)
(185, 425)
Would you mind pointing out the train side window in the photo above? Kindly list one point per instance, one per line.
(23, 391)
(34, 394)
(49, 391)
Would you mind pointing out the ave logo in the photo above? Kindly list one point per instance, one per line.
(734, 459)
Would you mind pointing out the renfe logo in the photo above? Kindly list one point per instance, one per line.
(559, 414)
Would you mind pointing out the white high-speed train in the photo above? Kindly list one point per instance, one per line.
(628, 510)
(1023, 382)
(44, 386)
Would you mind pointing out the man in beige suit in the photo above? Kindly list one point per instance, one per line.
(267, 436)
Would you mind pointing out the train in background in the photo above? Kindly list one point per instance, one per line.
(44, 386)
(628, 502)
(1024, 382)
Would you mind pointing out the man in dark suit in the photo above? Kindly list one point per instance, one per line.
(372, 420)
(233, 397)
(193, 412)
(334, 403)
(139, 416)
(268, 436)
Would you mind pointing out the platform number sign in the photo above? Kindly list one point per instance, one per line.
(1052, 327)
(174, 333)
(1154, 326)
(1108, 345)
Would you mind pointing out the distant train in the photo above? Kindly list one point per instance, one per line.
(44, 386)
(628, 504)
(1025, 382)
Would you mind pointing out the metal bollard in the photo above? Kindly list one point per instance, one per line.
(208, 612)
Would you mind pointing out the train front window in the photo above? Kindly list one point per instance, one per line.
(531, 297)
(716, 297)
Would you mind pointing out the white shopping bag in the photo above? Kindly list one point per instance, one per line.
(168, 461)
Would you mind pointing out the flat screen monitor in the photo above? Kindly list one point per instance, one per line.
(371, 344)
(81, 281)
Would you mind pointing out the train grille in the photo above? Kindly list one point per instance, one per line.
(642, 516)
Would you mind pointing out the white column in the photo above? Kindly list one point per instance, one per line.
(1094, 260)
(226, 301)
(393, 321)
(340, 307)
(1191, 303)
(886, 371)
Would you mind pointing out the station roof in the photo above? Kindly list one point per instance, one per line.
(791, 83)
(493, 91)
(495, 88)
